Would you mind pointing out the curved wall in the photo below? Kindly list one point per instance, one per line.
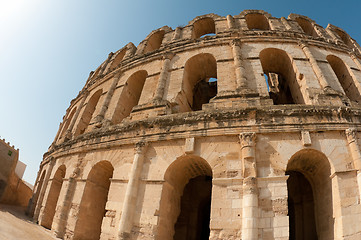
(243, 101)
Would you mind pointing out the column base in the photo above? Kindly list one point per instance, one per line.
(152, 109)
(236, 99)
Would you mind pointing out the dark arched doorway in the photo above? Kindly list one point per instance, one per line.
(185, 204)
(300, 207)
(193, 220)
(309, 187)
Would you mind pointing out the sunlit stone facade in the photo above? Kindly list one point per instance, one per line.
(236, 127)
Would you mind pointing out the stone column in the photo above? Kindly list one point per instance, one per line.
(285, 23)
(39, 203)
(177, 32)
(351, 134)
(355, 59)
(163, 76)
(230, 22)
(238, 63)
(332, 34)
(68, 134)
(130, 200)
(321, 78)
(250, 193)
(108, 97)
(110, 55)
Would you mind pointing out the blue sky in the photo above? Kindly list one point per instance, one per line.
(48, 48)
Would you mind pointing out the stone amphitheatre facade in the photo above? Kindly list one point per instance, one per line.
(236, 127)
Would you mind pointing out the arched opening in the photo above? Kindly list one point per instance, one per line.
(117, 60)
(202, 27)
(51, 202)
(199, 82)
(344, 37)
(37, 193)
(301, 210)
(306, 26)
(257, 21)
(154, 41)
(281, 77)
(310, 208)
(92, 205)
(67, 122)
(185, 205)
(130, 96)
(88, 112)
(344, 77)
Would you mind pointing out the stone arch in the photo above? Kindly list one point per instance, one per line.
(154, 41)
(312, 216)
(118, 58)
(202, 27)
(53, 195)
(95, 196)
(37, 192)
(67, 122)
(344, 77)
(130, 96)
(281, 77)
(183, 174)
(198, 70)
(306, 26)
(344, 37)
(257, 21)
(88, 112)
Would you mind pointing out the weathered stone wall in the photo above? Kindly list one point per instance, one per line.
(12, 188)
(132, 142)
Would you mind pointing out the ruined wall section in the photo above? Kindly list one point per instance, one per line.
(134, 123)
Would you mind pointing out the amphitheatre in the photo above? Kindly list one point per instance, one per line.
(237, 127)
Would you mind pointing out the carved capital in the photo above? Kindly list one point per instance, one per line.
(235, 42)
(302, 44)
(117, 73)
(351, 134)
(247, 139)
(168, 55)
(140, 147)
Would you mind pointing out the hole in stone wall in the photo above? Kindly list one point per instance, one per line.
(199, 82)
(302, 225)
(204, 91)
(193, 220)
(281, 77)
(203, 27)
(154, 41)
(344, 37)
(88, 112)
(257, 21)
(278, 89)
(306, 26)
(310, 196)
(344, 77)
(117, 59)
(130, 96)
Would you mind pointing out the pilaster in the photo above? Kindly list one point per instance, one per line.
(128, 210)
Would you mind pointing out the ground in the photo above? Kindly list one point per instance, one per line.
(15, 225)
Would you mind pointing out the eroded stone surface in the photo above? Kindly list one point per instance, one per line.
(134, 147)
